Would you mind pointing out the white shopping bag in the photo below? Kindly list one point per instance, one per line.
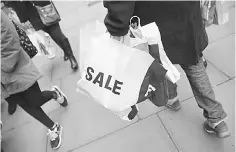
(41, 41)
(112, 73)
(152, 34)
(222, 14)
(36, 39)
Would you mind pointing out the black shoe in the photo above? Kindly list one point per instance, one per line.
(69, 54)
(12, 108)
(73, 62)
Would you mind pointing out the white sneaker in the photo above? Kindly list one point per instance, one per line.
(51, 56)
(61, 97)
(55, 136)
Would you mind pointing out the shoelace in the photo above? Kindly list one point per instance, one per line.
(53, 134)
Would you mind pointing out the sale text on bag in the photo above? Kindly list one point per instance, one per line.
(100, 80)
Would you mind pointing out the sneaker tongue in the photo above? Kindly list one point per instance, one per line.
(53, 135)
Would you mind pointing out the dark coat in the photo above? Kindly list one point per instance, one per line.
(180, 24)
(18, 72)
(27, 12)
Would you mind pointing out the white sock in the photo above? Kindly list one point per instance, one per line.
(213, 125)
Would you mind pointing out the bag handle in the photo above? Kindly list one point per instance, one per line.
(130, 22)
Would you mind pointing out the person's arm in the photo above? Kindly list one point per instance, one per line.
(118, 16)
(10, 46)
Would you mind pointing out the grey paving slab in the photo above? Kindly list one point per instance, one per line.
(185, 127)
(215, 75)
(222, 54)
(69, 85)
(84, 122)
(147, 135)
(79, 13)
(28, 138)
(52, 105)
(60, 69)
(11, 122)
(44, 66)
(147, 108)
(216, 32)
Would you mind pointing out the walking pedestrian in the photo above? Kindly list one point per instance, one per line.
(19, 81)
(184, 38)
(27, 11)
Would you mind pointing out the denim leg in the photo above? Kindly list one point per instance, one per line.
(203, 92)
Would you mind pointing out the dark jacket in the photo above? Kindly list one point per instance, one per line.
(180, 24)
(18, 72)
(27, 12)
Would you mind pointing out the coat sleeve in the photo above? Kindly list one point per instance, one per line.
(118, 16)
(10, 45)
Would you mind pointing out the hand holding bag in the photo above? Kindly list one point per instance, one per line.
(48, 14)
(119, 60)
(109, 70)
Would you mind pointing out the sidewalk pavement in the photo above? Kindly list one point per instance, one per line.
(90, 128)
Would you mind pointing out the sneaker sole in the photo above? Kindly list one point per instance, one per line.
(65, 97)
(223, 135)
(60, 135)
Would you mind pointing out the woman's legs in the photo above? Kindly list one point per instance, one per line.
(31, 101)
(56, 34)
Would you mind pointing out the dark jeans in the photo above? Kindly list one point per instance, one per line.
(31, 101)
(202, 90)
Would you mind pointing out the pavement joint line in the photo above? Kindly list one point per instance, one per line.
(17, 127)
(224, 82)
(180, 102)
(167, 132)
(106, 135)
(139, 118)
(162, 110)
(219, 69)
(220, 38)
